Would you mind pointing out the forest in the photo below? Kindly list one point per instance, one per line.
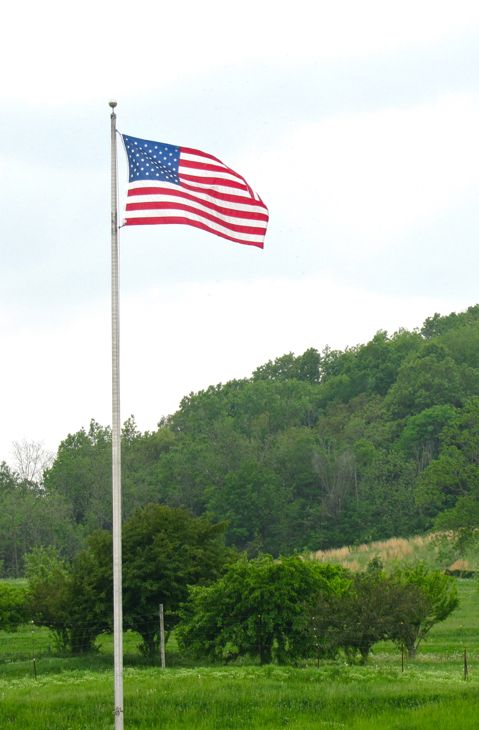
(312, 451)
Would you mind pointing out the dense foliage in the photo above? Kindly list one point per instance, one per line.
(312, 451)
(289, 608)
(256, 609)
(13, 606)
(165, 550)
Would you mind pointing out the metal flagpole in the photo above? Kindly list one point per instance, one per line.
(116, 436)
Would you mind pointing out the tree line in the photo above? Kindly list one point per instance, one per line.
(223, 605)
(312, 451)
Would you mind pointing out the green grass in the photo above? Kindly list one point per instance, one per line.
(242, 698)
(77, 693)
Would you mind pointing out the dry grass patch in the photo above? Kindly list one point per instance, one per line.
(425, 548)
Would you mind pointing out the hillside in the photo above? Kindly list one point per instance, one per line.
(311, 452)
(437, 550)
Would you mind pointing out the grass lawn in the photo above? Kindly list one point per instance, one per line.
(77, 693)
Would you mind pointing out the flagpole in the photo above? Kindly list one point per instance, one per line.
(116, 436)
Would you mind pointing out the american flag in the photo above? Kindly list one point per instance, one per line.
(170, 184)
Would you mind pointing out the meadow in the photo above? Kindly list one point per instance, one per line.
(76, 693)
(434, 549)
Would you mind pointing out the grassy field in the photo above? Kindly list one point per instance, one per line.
(435, 549)
(77, 694)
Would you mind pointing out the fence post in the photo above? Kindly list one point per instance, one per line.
(34, 653)
(162, 637)
(466, 668)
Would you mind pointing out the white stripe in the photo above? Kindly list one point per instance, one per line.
(199, 194)
(159, 198)
(199, 158)
(191, 216)
(222, 174)
(208, 161)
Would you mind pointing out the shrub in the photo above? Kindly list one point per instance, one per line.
(13, 606)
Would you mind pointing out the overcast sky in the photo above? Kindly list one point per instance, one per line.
(356, 122)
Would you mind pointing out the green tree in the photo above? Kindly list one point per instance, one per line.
(13, 606)
(251, 503)
(439, 599)
(81, 473)
(454, 474)
(49, 593)
(440, 324)
(355, 617)
(26, 522)
(385, 504)
(256, 609)
(430, 377)
(288, 367)
(420, 438)
(164, 551)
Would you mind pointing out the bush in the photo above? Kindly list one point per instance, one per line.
(436, 598)
(13, 606)
(256, 609)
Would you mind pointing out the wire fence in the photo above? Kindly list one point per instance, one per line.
(30, 641)
(36, 646)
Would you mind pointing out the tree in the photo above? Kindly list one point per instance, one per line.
(91, 591)
(13, 606)
(461, 524)
(71, 600)
(164, 551)
(420, 438)
(256, 609)
(287, 367)
(49, 593)
(31, 518)
(81, 474)
(31, 461)
(251, 503)
(439, 599)
(430, 377)
(440, 324)
(454, 474)
(385, 498)
(356, 617)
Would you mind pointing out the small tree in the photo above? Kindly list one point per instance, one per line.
(369, 608)
(49, 593)
(437, 598)
(357, 617)
(91, 589)
(13, 606)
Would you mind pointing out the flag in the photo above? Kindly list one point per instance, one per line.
(170, 184)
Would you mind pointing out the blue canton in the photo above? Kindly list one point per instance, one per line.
(152, 160)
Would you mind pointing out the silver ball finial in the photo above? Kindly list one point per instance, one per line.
(112, 104)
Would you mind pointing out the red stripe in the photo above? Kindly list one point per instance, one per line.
(208, 166)
(199, 153)
(224, 197)
(186, 221)
(213, 181)
(207, 216)
(194, 199)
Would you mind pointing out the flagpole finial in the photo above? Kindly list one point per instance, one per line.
(113, 104)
